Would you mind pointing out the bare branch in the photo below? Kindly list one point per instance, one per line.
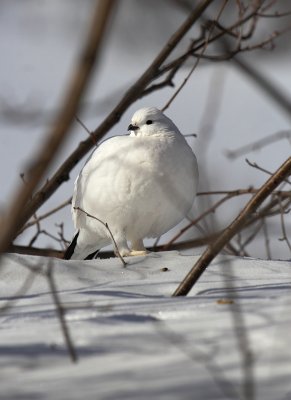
(258, 144)
(46, 215)
(276, 14)
(16, 216)
(255, 165)
(194, 49)
(35, 251)
(196, 220)
(283, 226)
(90, 133)
(199, 55)
(282, 173)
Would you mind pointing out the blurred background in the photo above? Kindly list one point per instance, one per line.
(224, 106)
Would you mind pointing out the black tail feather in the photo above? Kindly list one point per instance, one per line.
(70, 250)
(92, 255)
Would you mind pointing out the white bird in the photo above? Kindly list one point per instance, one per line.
(141, 185)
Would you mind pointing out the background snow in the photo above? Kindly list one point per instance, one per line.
(135, 341)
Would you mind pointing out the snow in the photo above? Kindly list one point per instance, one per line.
(229, 339)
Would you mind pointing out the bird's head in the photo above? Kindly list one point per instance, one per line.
(150, 121)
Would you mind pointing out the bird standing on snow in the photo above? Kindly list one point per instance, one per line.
(141, 185)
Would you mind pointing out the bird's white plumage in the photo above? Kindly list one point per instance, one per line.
(141, 185)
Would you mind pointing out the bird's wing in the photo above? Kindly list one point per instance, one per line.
(96, 159)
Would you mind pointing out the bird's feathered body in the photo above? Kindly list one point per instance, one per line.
(141, 185)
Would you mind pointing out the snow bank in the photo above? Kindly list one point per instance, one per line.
(229, 339)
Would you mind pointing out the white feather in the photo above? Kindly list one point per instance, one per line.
(141, 185)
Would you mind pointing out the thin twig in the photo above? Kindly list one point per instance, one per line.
(276, 14)
(269, 210)
(181, 59)
(109, 231)
(255, 165)
(36, 251)
(201, 216)
(90, 133)
(258, 144)
(46, 215)
(251, 237)
(198, 58)
(282, 213)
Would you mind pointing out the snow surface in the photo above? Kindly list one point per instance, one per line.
(229, 339)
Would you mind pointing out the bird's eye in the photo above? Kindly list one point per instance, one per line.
(149, 122)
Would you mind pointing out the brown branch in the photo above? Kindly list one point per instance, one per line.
(196, 220)
(283, 226)
(181, 59)
(269, 210)
(45, 215)
(229, 54)
(132, 95)
(39, 231)
(198, 58)
(250, 238)
(35, 251)
(256, 166)
(211, 252)
(18, 213)
(239, 192)
(258, 144)
(267, 85)
(183, 245)
(175, 65)
(276, 14)
(228, 196)
(90, 133)
(168, 81)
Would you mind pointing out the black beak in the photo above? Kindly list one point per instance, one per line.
(132, 127)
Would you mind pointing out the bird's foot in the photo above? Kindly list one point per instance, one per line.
(138, 249)
(138, 253)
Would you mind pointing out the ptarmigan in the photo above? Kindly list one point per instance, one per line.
(141, 185)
